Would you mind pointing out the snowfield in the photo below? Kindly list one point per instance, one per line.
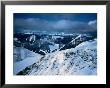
(29, 59)
(81, 60)
(54, 47)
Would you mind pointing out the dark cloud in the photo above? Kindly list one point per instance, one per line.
(37, 24)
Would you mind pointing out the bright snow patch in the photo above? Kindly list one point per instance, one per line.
(54, 47)
(20, 65)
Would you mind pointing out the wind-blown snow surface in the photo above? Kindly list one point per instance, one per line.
(81, 60)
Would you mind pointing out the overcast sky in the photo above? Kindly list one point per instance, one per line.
(55, 22)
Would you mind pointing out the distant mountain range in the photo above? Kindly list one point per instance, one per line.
(47, 43)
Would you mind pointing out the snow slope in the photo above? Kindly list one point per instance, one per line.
(81, 60)
(29, 60)
(54, 47)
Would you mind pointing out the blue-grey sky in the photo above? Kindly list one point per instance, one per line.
(55, 22)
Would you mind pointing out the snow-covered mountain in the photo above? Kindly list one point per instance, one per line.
(80, 60)
(23, 58)
(49, 42)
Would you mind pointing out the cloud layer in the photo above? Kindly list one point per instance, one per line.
(62, 25)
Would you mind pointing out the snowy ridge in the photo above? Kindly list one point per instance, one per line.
(49, 43)
(81, 60)
(76, 41)
(73, 41)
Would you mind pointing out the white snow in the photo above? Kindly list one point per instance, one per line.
(15, 39)
(73, 41)
(85, 45)
(80, 60)
(20, 65)
(55, 37)
(42, 51)
(88, 44)
(54, 47)
(32, 38)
